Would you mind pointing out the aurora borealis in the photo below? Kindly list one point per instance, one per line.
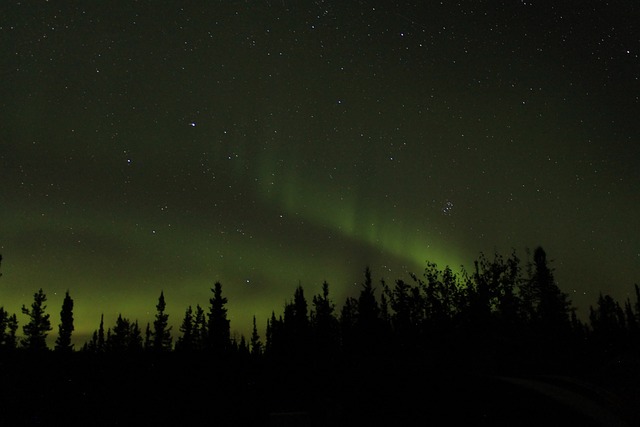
(148, 146)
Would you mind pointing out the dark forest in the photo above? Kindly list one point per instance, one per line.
(500, 344)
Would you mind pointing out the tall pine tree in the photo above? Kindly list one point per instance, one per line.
(8, 327)
(38, 327)
(256, 344)
(185, 342)
(218, 328)
(161, 329)
(65, 328)
(552, 306)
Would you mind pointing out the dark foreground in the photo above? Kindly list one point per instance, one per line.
(173, 390)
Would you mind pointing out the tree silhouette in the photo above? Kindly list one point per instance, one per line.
(324, 322)
(550, 309)
(118, 338)
(368, 309)
(97, 342)
(274, 336)
(185, 341)
(348, 316)
(218, 327)
(199, 328)
(101, 339)
(135, 337)
(608, 324)
(125, 337)
(296, 324)
(4, 316)
(148, 338)
(256, 344)
(161, 330)
(509, 305)
(8, 327)
(404, 323)
(368, 326)
(65, 328)
(36, 330)
(241, 348)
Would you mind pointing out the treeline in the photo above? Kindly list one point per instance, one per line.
(502, 314)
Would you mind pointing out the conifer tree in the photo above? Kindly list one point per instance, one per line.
(36, 330)
(384, 307)
(399, 299)
(551, 305)
(92, 344)
(148, 335)
(118, 340)
(135, 337)
(185, 341)
(161, 330)
(325, 324)
(3, 324)
(323, 307)
(218, 328)
(296, 322)
(100, 343)
(4, 318)
(256, 344)
(348, 317)
(300, 309)
(199, 329)
(368, 309)
(368, 325)
(8, 328)
(242, 348)
(65, 328)
(269, 333)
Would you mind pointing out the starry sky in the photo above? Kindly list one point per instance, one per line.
(148, 146)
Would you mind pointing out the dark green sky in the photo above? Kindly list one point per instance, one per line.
(147, 148)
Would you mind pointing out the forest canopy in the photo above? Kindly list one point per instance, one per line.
(500, 307)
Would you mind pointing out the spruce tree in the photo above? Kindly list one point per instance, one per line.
(65, 328)
(553, 306)
(100, 344)
(242, 348)
(218, 328)
(185, 342)
(36, 330)
(368, 309)
(4, 317)
(135, 337)
(148, 338)
(199, 329)
(161, 331)
(324, 322)
(92, 345)
(119, 339)
(256, 344)
(10, 338)
(271, 334)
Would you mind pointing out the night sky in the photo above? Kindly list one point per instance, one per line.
(148, 146)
